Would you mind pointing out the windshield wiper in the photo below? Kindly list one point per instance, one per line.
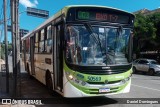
(90, 30)
(94, 35)
(118, 36)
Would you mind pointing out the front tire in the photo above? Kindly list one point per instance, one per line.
(151, 72)
(49, 83)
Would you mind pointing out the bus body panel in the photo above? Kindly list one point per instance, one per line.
(40, 66)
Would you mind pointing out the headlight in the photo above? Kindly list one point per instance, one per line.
(75, 80)
(70, 77)
(125, 80)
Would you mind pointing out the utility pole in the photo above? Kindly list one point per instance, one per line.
(18, 50)
(13, 32)
(15, 44)
(6, 44)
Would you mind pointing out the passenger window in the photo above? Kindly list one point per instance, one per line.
(41, 42)
(49, 30)
(41, 47)
(36, 40)
(143, 62)
(42, 34)
(36, 47)
(49, 45)
(36, 43)
(27, 45)
(48, 41)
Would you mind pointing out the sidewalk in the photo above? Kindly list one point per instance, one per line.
(4, 95)
(11, 79)
(27, 88)
(3, 85)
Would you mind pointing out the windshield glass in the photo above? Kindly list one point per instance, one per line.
(83, 49)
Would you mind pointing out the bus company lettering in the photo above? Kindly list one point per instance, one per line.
(108, 17)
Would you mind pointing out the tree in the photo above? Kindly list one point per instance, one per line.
(9, 47)
(2, 51)
(144, 32)
(155, 18)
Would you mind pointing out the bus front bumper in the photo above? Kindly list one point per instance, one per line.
(71, 91)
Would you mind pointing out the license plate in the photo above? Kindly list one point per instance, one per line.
(104, 90)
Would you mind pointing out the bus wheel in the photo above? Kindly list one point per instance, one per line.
(151, 72)
(49, 83)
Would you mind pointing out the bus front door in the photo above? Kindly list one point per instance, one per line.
(58, 56)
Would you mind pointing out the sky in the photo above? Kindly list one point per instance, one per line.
(30, 23)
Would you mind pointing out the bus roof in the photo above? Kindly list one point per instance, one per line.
(64, 11)
(99, 6)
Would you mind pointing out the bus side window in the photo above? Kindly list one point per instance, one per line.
(48, 41)
(27, 45)
(36, 43)
(41, 42)
(41, 46)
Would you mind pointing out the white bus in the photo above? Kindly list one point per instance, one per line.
(82, 51)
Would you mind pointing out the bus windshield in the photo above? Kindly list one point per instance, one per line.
(103, 46)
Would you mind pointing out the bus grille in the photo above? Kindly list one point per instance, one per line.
(110, 82)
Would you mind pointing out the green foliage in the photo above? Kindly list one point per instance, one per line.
(9, 47)
(146, 31)
(2, 50)
(155, 18)
(2, 56)
(144, 27)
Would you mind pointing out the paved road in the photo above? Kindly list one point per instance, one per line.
(143, 86)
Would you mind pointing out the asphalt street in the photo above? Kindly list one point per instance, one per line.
(142, 86)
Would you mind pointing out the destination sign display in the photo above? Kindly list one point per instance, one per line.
(102, 16)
